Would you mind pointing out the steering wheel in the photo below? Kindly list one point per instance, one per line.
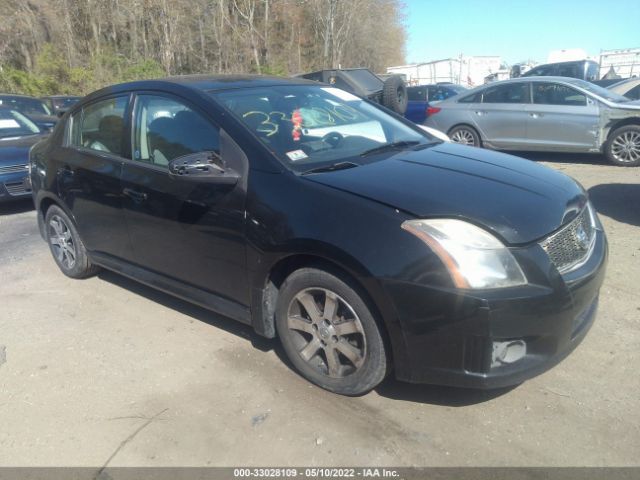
(333, 138)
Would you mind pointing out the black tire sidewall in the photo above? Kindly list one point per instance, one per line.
(476, 137)
(390, 95)
(82, 267)
(375, 365)
(608, 151)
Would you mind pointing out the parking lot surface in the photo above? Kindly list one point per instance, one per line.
(105, 371)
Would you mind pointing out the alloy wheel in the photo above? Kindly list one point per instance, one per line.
(464, 137)
(626, 147)
(327, 332)
(62, 242)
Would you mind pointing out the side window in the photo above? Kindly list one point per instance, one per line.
(556, 94)
(416, 93)
(542, 71)
(166, 129)
(436, 94)
(512, 93)
(473, 98)
(570, 70)
(101, 126)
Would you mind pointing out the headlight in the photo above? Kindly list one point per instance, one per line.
(473, 257)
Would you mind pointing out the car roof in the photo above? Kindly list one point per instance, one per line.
(205, 83)
(17, 95)
(61, 96)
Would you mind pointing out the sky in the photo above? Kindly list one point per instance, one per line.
(518, 30)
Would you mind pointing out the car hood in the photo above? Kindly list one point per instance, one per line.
(15, 150)
(517, 199)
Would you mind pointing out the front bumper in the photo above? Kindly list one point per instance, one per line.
(448, 336)
(14, 186)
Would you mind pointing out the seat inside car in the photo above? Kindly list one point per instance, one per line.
(109, 136)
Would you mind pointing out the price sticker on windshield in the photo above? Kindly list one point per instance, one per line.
(296, 155)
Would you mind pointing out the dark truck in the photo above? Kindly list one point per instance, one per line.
(390, 92)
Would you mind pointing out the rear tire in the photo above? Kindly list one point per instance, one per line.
(329, 333)
(465, 135)
(66, 246)
(623, 146)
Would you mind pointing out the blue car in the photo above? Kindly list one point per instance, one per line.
(17, 135)
(418, 107)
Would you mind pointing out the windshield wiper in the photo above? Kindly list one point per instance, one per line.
(332, 167)
(390, 146)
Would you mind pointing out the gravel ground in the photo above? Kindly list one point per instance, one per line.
(106, 371)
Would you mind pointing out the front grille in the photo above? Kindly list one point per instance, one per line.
(572, 245)
(13, 168)
(16, 188)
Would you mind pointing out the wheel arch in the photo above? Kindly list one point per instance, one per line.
(625, 122)
(468, 125)
(265, 297)
(42, 205)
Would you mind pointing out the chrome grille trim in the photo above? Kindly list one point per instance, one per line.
(572, 245)
(13, 168)
(15, 189)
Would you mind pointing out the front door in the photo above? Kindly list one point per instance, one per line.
(189, 232)
(562, 118)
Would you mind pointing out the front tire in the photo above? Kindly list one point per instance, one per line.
(465, 135)
(329, 333)
(623, 146)
(66, 246)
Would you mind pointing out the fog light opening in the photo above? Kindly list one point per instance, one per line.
(508, 352)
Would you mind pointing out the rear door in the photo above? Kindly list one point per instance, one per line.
(501, 118)
(88, 168)
(562, 118)
(186, 231)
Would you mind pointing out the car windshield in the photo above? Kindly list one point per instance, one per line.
(310, 127)
(600, 91)
(14, 124)
(26, 105)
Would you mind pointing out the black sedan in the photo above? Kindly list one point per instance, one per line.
(318, 217)
(17, 135)
(33, 107)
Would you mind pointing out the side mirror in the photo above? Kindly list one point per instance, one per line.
(205, 167)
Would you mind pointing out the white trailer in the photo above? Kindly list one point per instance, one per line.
(468, 71)
(624, 62)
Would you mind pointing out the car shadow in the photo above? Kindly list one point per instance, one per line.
(619, 201)
(194, 311)
(556, 157)
(390, 388)
(437, 394)
(16, 206)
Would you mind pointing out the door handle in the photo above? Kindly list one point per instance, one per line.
(481, 112)
(67, 170)
(135, 195)
(536, 115)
